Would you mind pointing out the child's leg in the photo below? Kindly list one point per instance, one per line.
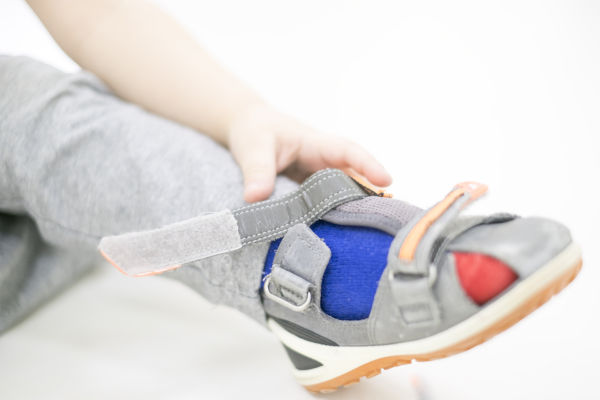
(84, 164)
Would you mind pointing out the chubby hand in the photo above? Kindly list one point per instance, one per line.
(265, 142)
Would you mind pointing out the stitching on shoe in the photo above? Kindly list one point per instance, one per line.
(325, 174)
(304, 216)
(311, 214)
(290, 294)
(303, 190)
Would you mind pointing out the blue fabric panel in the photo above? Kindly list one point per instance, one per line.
(358, 258)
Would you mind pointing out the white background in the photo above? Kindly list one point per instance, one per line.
(507, 93)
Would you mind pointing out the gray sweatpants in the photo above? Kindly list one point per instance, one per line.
(77, 163)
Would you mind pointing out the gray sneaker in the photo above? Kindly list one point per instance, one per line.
(420, 311)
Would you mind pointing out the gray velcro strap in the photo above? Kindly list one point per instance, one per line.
(155, 251)
(298, 267)
(411, 281)
(158, 250)
(269, 220)
(422, 259)
(411, 289)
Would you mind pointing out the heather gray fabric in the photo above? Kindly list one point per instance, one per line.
(31, 271)
(83, 164)
(388, 215)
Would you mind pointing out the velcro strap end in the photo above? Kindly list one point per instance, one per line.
(159, 250)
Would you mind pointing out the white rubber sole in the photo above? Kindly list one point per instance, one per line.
(343, 365)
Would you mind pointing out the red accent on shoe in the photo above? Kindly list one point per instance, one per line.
(481, 276)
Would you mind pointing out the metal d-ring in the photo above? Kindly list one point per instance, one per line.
(283, 302)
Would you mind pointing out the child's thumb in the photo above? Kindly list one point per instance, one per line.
(257, 161)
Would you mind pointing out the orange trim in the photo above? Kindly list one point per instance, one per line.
(475, 189)
(409, 246)
(160, 271)
(365, 183)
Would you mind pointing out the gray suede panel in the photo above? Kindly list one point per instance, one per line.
(388, 325)
(435, 297)
(461, 225)
(525, 244)
(416, 299)
(303, 253)
(455, 304)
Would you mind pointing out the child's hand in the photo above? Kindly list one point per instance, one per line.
(265, 142)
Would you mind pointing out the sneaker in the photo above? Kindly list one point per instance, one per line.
(447, 282)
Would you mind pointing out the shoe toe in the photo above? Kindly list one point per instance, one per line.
(524, 244)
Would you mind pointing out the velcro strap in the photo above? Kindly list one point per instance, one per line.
(411, 272)
(159, 250)
(298, 266)
(269, 220)
(418, 238)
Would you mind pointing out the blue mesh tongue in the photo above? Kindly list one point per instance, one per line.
(358, 258)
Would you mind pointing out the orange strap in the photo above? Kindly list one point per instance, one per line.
(409, 246)
(371, 189)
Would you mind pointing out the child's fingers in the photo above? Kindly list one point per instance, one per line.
(365, 164)
(345, 154)
(256, 158)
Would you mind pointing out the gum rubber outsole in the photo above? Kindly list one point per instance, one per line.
(375, 367)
